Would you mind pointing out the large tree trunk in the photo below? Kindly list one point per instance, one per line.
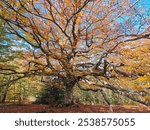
(68, 100)
(69, 85)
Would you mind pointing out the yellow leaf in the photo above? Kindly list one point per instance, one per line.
(17, 4)
(138, 88)
(146, 86)
(147, 98)
(143, 79)
(48, 16)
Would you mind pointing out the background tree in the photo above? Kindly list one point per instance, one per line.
(10, 53)
(4, 52)
(72, 41)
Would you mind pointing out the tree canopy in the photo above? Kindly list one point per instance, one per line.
(94, 44)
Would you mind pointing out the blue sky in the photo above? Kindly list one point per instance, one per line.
(146, 3)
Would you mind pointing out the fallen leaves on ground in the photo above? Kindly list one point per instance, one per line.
(35, 108)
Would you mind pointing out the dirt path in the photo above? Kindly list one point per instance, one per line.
(33, 108)
(102, 109)
(27, 108)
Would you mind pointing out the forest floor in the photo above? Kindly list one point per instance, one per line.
(34, 108)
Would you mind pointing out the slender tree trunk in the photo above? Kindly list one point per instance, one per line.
(3, 97)
(4, 94)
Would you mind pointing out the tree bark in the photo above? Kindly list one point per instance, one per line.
(4, 95)
(68, 99)
(69, 83)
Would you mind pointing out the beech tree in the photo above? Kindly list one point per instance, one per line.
(75, 42)
(8, 62)
(4, 49)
